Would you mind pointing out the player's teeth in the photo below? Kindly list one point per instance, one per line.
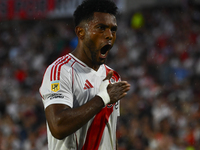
(103, 54)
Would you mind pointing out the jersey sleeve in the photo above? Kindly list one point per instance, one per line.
(58, 90)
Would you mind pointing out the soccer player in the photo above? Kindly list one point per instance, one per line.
(79, 92)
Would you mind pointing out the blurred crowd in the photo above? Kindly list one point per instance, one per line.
(157, 50)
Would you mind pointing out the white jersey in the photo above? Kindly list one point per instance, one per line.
(71, 82)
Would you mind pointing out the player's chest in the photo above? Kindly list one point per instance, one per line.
(86, 86)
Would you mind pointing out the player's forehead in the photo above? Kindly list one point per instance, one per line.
(103, 18)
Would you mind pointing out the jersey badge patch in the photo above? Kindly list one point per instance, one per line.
(113, 79)
(55, 86)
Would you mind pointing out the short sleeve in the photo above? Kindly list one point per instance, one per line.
(57, 91)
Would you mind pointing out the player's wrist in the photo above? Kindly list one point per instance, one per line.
(103, 92)
(105, 97)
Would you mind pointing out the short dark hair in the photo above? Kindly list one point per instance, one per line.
(86, 10)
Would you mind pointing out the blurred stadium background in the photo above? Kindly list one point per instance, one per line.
(157, 50)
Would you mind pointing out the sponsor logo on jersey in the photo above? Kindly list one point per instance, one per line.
(113, 79)
(55, 86)
(88, 85)
(55, 95)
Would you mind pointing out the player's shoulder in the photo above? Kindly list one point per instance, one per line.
(65, 62)
(55, 70)
(116, 76)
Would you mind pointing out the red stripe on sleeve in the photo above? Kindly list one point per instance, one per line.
(56, 62)
(55, 71)
(51, 73)
(61, 59)
(54, 67)
(61, 66)
(96, 129)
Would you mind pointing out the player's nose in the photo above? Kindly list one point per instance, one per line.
(108, 34)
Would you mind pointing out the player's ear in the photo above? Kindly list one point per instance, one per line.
(80, 32)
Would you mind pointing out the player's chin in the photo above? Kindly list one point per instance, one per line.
(102, 61)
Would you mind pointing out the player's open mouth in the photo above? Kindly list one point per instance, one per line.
(104, 50)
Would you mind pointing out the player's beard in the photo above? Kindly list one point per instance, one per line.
(94, 51)
(95, 58)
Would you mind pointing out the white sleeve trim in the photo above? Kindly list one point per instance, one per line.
(57, 101)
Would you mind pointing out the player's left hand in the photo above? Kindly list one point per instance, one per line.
(116, 90)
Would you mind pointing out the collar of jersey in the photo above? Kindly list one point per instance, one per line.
(86, 66)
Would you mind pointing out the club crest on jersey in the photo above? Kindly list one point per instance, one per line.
(55, 86)
(113, 79)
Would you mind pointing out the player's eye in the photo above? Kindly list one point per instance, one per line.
(114, 29)
(101, 27)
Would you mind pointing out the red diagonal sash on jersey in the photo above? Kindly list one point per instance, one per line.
(96, 129)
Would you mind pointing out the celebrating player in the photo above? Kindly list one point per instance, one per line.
(79, 92)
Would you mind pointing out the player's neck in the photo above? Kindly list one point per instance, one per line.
(78, 53)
